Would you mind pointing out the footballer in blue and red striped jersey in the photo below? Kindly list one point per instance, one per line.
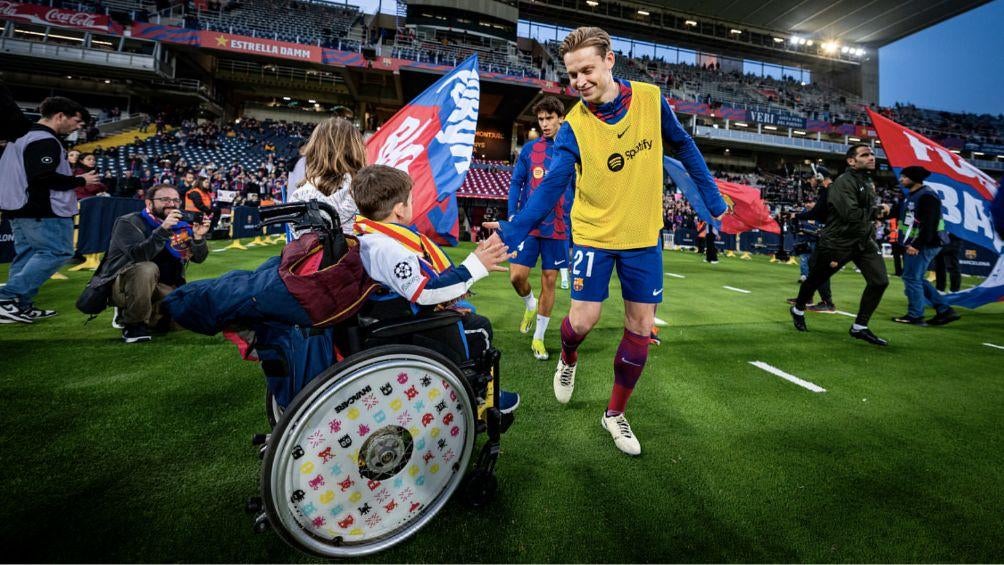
(548, 240)
(529, 172)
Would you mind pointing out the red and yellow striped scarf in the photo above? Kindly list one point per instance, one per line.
(416, 243)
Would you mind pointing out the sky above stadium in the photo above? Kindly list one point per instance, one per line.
(955, 65)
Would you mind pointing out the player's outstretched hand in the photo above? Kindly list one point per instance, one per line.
(491, 252)
(493, 238)
(490, 225)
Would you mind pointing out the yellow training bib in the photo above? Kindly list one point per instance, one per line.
(618, 195)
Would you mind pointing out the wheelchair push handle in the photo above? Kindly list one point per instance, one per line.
(302, 214)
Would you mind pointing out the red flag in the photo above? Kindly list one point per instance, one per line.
(746, 210)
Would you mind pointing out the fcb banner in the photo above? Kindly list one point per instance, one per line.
(257, 46)
(46, 16)
(432, 139)
(966, 193)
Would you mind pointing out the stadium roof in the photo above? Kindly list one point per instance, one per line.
(868, 22)
(852, 21)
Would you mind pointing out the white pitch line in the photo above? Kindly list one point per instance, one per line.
(992, 345)
(790, 378)
(737, 289)
(842, 313)
(661, 323)
(675, 276)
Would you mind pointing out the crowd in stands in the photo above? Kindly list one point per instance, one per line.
(494, 55)
(711, 84)
(252, 157)
(949, 126)
(304, 22)
(239, 163)
(343, 27)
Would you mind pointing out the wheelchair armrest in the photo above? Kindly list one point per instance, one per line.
(394, 328)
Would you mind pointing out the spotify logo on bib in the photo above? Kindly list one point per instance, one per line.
(615, 162)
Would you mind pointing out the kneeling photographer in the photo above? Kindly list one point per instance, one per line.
(146, 260)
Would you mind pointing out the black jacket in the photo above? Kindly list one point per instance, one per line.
(927, 219)
(13, 123)
(818, 211)
(134, 241)
(41, 158)
(850, 214)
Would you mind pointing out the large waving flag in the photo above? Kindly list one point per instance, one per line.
(966, 194)
(432, 139)
(747, 211)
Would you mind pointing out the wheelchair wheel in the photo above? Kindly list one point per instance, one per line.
(272, 409)
(369, 452)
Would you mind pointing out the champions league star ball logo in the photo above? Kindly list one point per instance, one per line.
(402, 270)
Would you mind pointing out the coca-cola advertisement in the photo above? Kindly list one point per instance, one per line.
(44, 15)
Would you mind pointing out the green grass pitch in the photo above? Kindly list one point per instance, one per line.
(124, 453)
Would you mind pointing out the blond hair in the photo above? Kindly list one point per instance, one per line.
(335, 149)
(584, 37)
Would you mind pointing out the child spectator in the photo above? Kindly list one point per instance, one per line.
(333, 154)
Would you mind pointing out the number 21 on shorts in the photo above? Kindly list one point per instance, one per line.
(588, 255)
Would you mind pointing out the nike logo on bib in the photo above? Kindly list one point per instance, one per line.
(621, 134)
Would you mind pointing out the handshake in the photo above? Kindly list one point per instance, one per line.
(492, 252)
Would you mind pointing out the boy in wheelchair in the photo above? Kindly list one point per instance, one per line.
(416, 277)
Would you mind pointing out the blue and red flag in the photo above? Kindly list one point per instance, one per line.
(966, 195)
(432, 139)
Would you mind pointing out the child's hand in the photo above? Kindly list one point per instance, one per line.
(491, 252)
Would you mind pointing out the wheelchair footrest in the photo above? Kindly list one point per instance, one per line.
(480, 487)
(261, 523)
(498, 423)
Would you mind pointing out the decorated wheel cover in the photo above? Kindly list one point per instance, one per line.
(372, 453)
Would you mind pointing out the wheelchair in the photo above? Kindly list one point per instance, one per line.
(369, 450)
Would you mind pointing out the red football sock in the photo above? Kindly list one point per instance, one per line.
(628, 365)
(569, 343)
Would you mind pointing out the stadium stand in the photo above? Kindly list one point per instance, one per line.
(708, 84)
(446, 49)
(488, 180)
(342, 27)
(309, 23)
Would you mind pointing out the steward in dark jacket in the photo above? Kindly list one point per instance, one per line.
(849, 236)
(851, 212)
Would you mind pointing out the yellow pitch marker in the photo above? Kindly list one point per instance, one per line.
(91, 262)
